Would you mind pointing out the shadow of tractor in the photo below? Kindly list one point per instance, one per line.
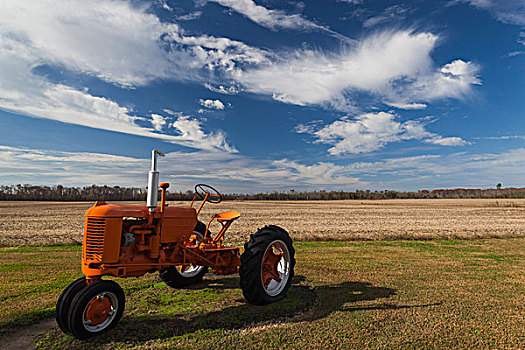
(302, 303)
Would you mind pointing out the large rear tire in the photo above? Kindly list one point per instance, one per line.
(64, 303)
(178, 277)
(97, 308)
(267, 266)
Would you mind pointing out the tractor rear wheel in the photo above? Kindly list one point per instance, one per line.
(97, 308)
(267, 266)
(180, 277)
(64, 303)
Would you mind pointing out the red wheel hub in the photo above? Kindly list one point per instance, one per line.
(98, 310)
(270, 263)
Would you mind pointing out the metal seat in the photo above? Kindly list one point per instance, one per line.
(226, 216)
(225, 219)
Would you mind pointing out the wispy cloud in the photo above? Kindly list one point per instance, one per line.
(394, 13)
(191, 134)
(221, 89)
(85, 38)
(505, 137)
(272, 19)
(447, 171)
(233, 172)
(507, 11)
(521, 39)
(190, 16)
(514, 53)
(372, 131)
(132, 51)
(353, 2)
(392, 66)
(277, 19)
(24, 92)
(236, 173)
(402, 105)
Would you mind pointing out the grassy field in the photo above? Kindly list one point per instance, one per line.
(397, 295)
(38, 223)
(370, 274)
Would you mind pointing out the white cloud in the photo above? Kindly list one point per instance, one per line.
(395, 66)
(506, 11)
(231, 172)
(235, 173)
(190, 134)
(461, 70)
(273, 19)
(115, 41)
(221, 89)
(158, 121)
(164, 5)
(190, 16)
(25, 165)
(372, 131)
(212, 104)
(515, 53)
(450, 171)
(322, 173)
(287, 99)
(521, 39)
(395, 13)
(106, 39)
(211, 53)
(111, 40)
(402, 105)
(22, 91)
(447, 141)
(277, 19)
(505, 137)
(353, 2)
(130, 47)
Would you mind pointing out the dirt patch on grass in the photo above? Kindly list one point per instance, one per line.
(25, 338)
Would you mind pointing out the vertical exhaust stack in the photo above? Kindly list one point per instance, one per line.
(153, 181)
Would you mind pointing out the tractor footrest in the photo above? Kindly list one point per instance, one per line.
(223, 249)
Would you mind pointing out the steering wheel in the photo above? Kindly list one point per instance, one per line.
(213, 195)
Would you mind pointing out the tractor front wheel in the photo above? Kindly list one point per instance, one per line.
(97, 308)
(267, 266)
(64, 303)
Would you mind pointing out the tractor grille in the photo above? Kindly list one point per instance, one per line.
(94, 239)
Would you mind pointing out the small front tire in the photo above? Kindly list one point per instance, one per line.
(64, 303)
(97, 308)
(267, 266)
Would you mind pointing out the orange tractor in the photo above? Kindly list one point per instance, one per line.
(131, 240)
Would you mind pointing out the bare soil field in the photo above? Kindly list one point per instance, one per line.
(40, 223)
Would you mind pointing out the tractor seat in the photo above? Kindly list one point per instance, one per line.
(226, 216)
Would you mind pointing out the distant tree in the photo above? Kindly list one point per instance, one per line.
(498, 186)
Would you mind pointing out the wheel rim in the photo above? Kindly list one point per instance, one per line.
(191, 270)
(275, 268)
(100, 312)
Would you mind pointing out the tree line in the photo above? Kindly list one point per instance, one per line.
(28, 192)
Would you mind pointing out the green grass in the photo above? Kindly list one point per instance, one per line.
(394, 295)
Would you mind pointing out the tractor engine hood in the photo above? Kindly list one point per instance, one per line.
(102, 209)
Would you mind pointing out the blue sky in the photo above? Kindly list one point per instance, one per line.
(264, 95)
